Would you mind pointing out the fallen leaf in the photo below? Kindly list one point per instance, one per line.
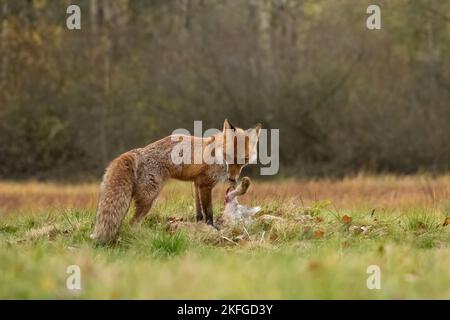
(422, 225)
(273, 237)
(355, 229)
(318, 234)
(346, 219)
(319, 219)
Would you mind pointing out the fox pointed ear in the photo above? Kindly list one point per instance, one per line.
(228, 125)
(256, 128)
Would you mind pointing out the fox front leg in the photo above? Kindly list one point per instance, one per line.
(206, 203)
(198, 204)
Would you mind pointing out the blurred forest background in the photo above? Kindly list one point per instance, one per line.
(345, 98)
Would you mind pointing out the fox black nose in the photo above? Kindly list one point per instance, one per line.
(232, 180)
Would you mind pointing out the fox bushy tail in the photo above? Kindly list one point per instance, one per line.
(116, 192)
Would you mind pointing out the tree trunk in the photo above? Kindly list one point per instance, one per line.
(264, 10)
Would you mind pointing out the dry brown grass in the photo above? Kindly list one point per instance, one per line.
(368, 191)
(376, 191)
(35, 197)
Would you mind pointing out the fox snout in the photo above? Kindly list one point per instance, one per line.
(233, 172)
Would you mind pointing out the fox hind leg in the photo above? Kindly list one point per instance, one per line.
(143, 206)
(143, 200)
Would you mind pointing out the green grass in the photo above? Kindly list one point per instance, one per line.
(298, 257)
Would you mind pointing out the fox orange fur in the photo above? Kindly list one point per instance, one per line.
(140, 174)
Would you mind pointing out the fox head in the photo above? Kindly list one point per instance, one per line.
(239, 148)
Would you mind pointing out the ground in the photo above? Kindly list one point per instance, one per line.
(314, 239)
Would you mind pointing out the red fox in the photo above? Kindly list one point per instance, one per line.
(140, 174)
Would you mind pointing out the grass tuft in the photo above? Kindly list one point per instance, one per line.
(165, 244)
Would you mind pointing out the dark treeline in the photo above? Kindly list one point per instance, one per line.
(345, 98)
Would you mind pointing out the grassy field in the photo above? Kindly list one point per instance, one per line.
(314, 239)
